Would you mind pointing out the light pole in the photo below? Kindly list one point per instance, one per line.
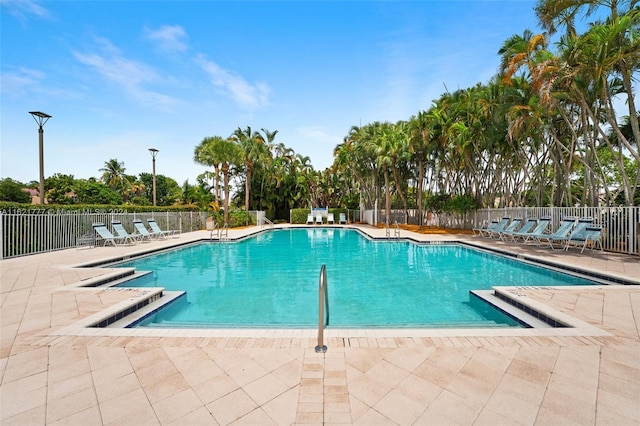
(154, 152)
(41, 118)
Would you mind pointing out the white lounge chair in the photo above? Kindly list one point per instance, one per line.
(318, 219)
(142, 230)
(120, 231)
(330, 219)
(155, 228)
(309, 219)
(107, 237)
(343, 219)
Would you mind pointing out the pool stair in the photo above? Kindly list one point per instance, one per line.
(134, 317)
(515, 310)
(515, 302)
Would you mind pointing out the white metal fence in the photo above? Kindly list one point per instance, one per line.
(26, 233)
(621, 225)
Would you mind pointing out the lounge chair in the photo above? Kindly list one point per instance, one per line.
(527, 226)
(540, 229)
(330, 219)
(577, 231)
(590, 233)
(120, 231)
(492, 225)
(318, 219)
(107, 237)
(499, 227)
(511, 227)
(343, 219)
(562, 233)
(156, 228)
(142, 230)
(309, 219)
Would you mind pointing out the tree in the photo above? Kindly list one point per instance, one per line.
(11, 190)
(114, 177)
(93, 192)
(60, 188)
(252, 147)
(216, 150)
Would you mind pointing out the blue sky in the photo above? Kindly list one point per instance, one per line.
(120, 77)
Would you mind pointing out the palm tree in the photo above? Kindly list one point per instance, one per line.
(114, 177)
(216, 150)
(252, 147)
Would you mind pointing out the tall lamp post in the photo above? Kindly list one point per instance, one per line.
(41, 118)
(154, 152)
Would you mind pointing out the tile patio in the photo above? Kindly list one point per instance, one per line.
(56, 372)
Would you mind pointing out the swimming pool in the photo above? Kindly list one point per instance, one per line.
(271, 280)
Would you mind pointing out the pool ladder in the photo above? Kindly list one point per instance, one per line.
(223, 232)
(323, 304)
(396, 230)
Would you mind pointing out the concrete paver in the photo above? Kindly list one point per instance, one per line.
(55, 372)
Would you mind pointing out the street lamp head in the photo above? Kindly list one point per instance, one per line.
(153, 152)
(40, 117)
(40, 114)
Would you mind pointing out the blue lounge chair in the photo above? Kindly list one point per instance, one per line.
(120, 231)
(499, 227)
(562, 233)
(591, 233)
(492, 225)
(142, 230)
(527, 226)
(107, 237)
(578, 230)
(155, 228)
(540, 229)
(511, 227)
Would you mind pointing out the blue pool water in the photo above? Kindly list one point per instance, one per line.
(271, 280)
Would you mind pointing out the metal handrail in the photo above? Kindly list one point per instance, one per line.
(396, 232)
(323, 302)
(224, 230)
(212, 229)
(264, 219)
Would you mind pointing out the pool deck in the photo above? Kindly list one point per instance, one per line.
(56, 371)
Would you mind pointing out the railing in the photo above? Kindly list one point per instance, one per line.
(267, 221)
(25, 233)
(323, 302)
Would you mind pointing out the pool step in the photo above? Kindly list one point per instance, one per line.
(527, 319)
(144, 311)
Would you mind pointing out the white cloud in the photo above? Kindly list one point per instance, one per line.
(20, 82)
(246, 95)
(130, 75)
(22, 8)
(169, 38)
